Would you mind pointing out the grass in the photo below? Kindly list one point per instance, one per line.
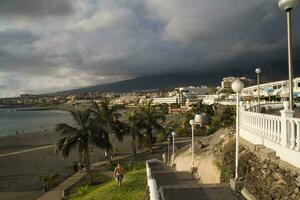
(133, 188)
(98, 177)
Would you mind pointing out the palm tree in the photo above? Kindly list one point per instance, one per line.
(152, 118)
(134, 128)
(109, 117)
(84, 132)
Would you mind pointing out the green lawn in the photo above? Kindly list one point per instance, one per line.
(133, 188)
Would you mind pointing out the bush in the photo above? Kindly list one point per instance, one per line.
(182, 132)
(160, 137)
(82, 190)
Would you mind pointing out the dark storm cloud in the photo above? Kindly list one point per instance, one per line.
(105, 41)
(35, 7)
(17, 37)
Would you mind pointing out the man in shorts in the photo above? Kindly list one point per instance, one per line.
(118, 174)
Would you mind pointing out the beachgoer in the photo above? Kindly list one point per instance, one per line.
(118, 174)
(164, 157)
(105, 155)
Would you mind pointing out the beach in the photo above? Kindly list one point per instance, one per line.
(27, 157)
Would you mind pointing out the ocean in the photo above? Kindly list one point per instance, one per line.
(14, 120)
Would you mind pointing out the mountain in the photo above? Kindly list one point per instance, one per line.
(150, 83)
(167, 81)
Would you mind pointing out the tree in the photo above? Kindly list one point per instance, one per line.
(108, 116)
(152, 118)
(134, 128)
(84, 132)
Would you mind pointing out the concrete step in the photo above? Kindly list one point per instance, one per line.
(194, 192)
(172, 178)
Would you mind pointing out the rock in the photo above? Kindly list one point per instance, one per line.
(296, 190)
(281, 182)
(264, 166)
(199, 145)
(293, 173)
(277, 176)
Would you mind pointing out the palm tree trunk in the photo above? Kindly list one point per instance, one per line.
(133, 146)
(88, 166)
(150, 140)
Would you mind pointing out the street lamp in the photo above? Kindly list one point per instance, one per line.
(258, 71)
(288, 5)
(237, 86)
(173, 156)
(197, 120)
(169, 138)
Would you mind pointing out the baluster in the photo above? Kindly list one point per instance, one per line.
(268, 128)
(272, 130)
(298, 137)
(255, 125)
(292, 135)
(260, 126)
(277, 137)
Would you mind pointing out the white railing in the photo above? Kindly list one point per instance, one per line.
(279, 133)
(265, 126)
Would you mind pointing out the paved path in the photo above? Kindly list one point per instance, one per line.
(26, 151)
(57, 193)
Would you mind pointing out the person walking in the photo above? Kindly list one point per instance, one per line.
(118, 174)
(164, 156)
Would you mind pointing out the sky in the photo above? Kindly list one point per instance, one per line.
(54, 45)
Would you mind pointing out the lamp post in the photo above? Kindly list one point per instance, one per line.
(173, 156)
(258, 71)
(198, 120)
(237, 86)
(288, 5)
(169, 138)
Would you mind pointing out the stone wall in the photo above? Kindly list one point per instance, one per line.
(263, 175)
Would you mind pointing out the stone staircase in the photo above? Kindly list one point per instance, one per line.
(173, 185)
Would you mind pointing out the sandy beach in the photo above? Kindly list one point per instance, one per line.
(22, 171)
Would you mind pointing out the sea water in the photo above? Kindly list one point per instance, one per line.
(13, 121)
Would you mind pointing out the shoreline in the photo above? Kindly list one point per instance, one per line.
(21, 172)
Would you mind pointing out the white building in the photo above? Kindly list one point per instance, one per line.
(168, 100)
(191, 90)
(277, 88)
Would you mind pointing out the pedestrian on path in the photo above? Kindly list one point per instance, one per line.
(118, 174)
(164, 156)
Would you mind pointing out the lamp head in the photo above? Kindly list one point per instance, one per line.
(287, 4)
(198, 118)
(192, 122)
(173, 133)
(237, 85)
(257, 70)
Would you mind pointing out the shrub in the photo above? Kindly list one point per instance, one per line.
(83, 190)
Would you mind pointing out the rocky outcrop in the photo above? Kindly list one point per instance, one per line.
(263, 175)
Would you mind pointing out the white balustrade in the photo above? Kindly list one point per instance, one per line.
(280, 133)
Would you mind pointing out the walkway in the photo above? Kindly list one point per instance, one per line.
(26, 151)
(174, 185)
(57, 193)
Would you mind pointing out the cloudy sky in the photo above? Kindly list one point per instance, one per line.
(53, 45)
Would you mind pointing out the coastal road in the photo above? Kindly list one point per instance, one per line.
(26, 151)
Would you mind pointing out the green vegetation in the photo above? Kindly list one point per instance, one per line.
(217, 116)
(225, 172)
(152, 117)
(84, 184)
(133, 188)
